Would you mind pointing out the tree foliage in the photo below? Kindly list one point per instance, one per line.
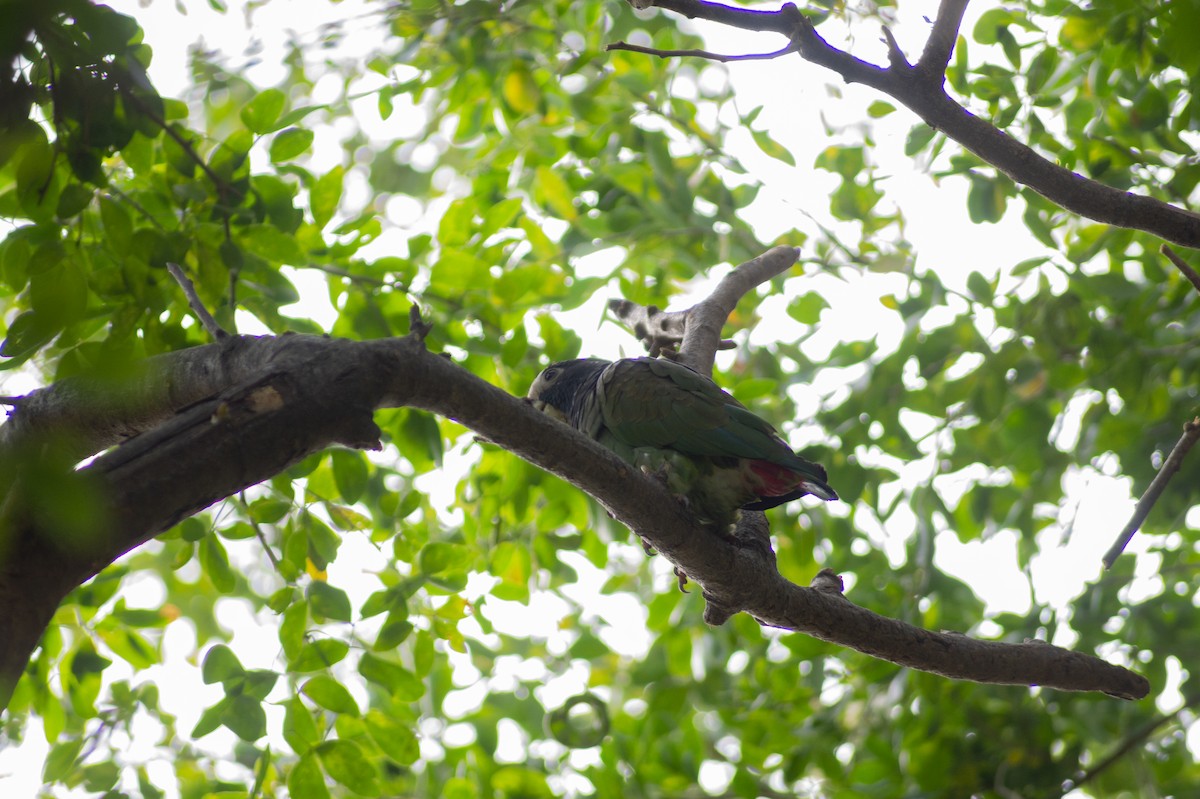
(536, 171)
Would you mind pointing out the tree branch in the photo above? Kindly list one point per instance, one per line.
(1134, 740)
(637, 48)
(1182, 265)
(928, 99)
(189, 289)
(311, 392)
(940, 45)
(1191, 432)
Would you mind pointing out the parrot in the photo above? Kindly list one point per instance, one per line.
(669, 420)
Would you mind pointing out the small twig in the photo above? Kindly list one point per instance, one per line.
(1191, 433)
(637, 48)
(1181, 265)
(1136, 738)
(189, 289)
(417, 326)
(895, 54)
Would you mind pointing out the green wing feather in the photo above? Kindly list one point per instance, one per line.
(653, 402)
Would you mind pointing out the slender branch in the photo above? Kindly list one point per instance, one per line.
(940, 45)
(1191, 433)
(928, 100)
(895, 55)
(637, 48)
(702, 333)
(1181, 265)
(189, 289)
(1134, 740)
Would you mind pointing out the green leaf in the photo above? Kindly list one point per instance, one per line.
(261, 113)
(215, 562)
(319, 654)
(62, 760)
(399, 681)
(980, 288)
(441, 557)
(396, 740)
(244, 715)
(290, 143)
(305, 780)
(299, 728)
(327, 602)
(330, 694)
(879, 109)
(272, 244)
(551, 191)
(221, 665)
(772, 148)
(806, 309)
(346, 763)
(326, 194)
(349, 473)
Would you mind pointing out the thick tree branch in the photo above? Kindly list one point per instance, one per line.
(912, 87)
(304, 393)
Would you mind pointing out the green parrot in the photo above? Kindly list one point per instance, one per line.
(668, 420)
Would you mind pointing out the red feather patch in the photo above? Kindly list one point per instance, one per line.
(776, 480)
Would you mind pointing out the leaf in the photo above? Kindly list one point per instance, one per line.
(272, 244)
(551, 191)
(349, 473)
(319, 654)
(441, 557)
(771, 147)
(806, 309)
(261, 113)
(980, 288)
(520, 91)
(326, 194)
(396, 740)
(290, 143)
(879, 109)
(215, 562)
(330, 694)
(221, 665)
(299, 729)
(62, 760)
(305, 780)
(328, 602)
(397, 680)
(244, 715)
(346, 763)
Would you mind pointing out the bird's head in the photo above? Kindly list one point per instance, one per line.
(560, 387)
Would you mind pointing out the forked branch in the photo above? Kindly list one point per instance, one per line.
(921, 89)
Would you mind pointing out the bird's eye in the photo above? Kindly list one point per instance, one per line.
(550, 373)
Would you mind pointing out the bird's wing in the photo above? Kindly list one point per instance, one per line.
(654, 402)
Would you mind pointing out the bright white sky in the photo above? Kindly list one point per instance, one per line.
(943, 239)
